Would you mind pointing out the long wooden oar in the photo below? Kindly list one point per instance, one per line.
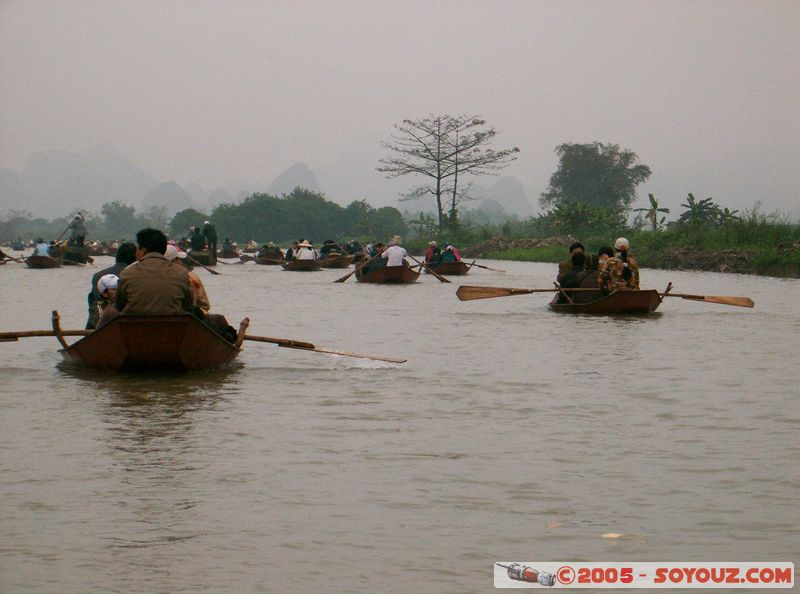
(468, 292)
(356, 269)
(429, 269)
(13, 336)
(307, 346)
(721, 299)
(487, 268)
(188, 257)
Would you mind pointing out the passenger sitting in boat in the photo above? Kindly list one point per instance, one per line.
(433, 255)
(153, 285)
(41, 248)
(603, 254)
(54, 250)
(200, 296)
(226, 245)
(291, 253)
(107, 289)
(620, 273)
(126, 255)
(377, 262)
(330, 248)
(450, 254)
(566, 265)
(306, 251)
(395, 254)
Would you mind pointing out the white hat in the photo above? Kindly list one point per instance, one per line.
(621, 244)
(304, 244)
(106, 282)
(206, 223)
(433, 243)
(172, 252)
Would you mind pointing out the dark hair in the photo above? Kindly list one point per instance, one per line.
(608, 251)
(126, 253)
(152, 240)
(578, 260)
(576, 244)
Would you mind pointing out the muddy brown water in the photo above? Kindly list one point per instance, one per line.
(512, 433)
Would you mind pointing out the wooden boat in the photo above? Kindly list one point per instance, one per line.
(301, 265)
(459, 268)
(620, 302)
(76, 254)
(151, 343)
(266, 259)
(336, 261)
(17, 246)
(42, 262)
(390, 275)
(204, 257)
(234, 253)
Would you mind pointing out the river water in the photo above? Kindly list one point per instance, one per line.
(512, 433)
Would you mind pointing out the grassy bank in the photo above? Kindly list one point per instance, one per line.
(752, 246)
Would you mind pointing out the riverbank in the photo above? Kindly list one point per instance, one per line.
(782, 260)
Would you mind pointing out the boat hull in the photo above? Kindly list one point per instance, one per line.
(450, 268)
(76, 254)
(205, 257)
(620, 302)
(266, 260)
(42, 262)
(337, 261)
(301, 265)
(400, 275)
(151, 343)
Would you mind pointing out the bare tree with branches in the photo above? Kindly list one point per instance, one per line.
(443, 149)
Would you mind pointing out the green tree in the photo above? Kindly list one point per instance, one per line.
(443, 148)
(118, 220)
(180, 223)
(653, 212)
(598, 175)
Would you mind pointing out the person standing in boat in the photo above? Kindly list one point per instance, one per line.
(153, 285)
(77, 230)
(620, 273)
(395, 254)
(210, 235)
(126, 255)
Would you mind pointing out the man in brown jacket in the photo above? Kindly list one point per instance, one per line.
(153, 285)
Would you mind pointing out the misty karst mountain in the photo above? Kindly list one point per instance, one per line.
(55, 183)
(298, 175)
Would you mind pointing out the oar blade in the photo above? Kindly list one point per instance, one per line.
(722, 300)
(468, 292)
(348, 354)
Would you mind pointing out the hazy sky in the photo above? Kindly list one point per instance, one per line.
(706, 93)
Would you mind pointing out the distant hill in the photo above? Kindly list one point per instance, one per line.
(298, 175)
(508, 192)
(56, 182)
(12, 192)
(169, 195)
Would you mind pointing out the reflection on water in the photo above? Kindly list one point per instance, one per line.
(513, 432)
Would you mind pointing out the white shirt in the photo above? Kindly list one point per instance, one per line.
(41, 250)
(305, 253)
(394, 255)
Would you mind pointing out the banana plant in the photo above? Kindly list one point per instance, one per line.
(651, 214)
